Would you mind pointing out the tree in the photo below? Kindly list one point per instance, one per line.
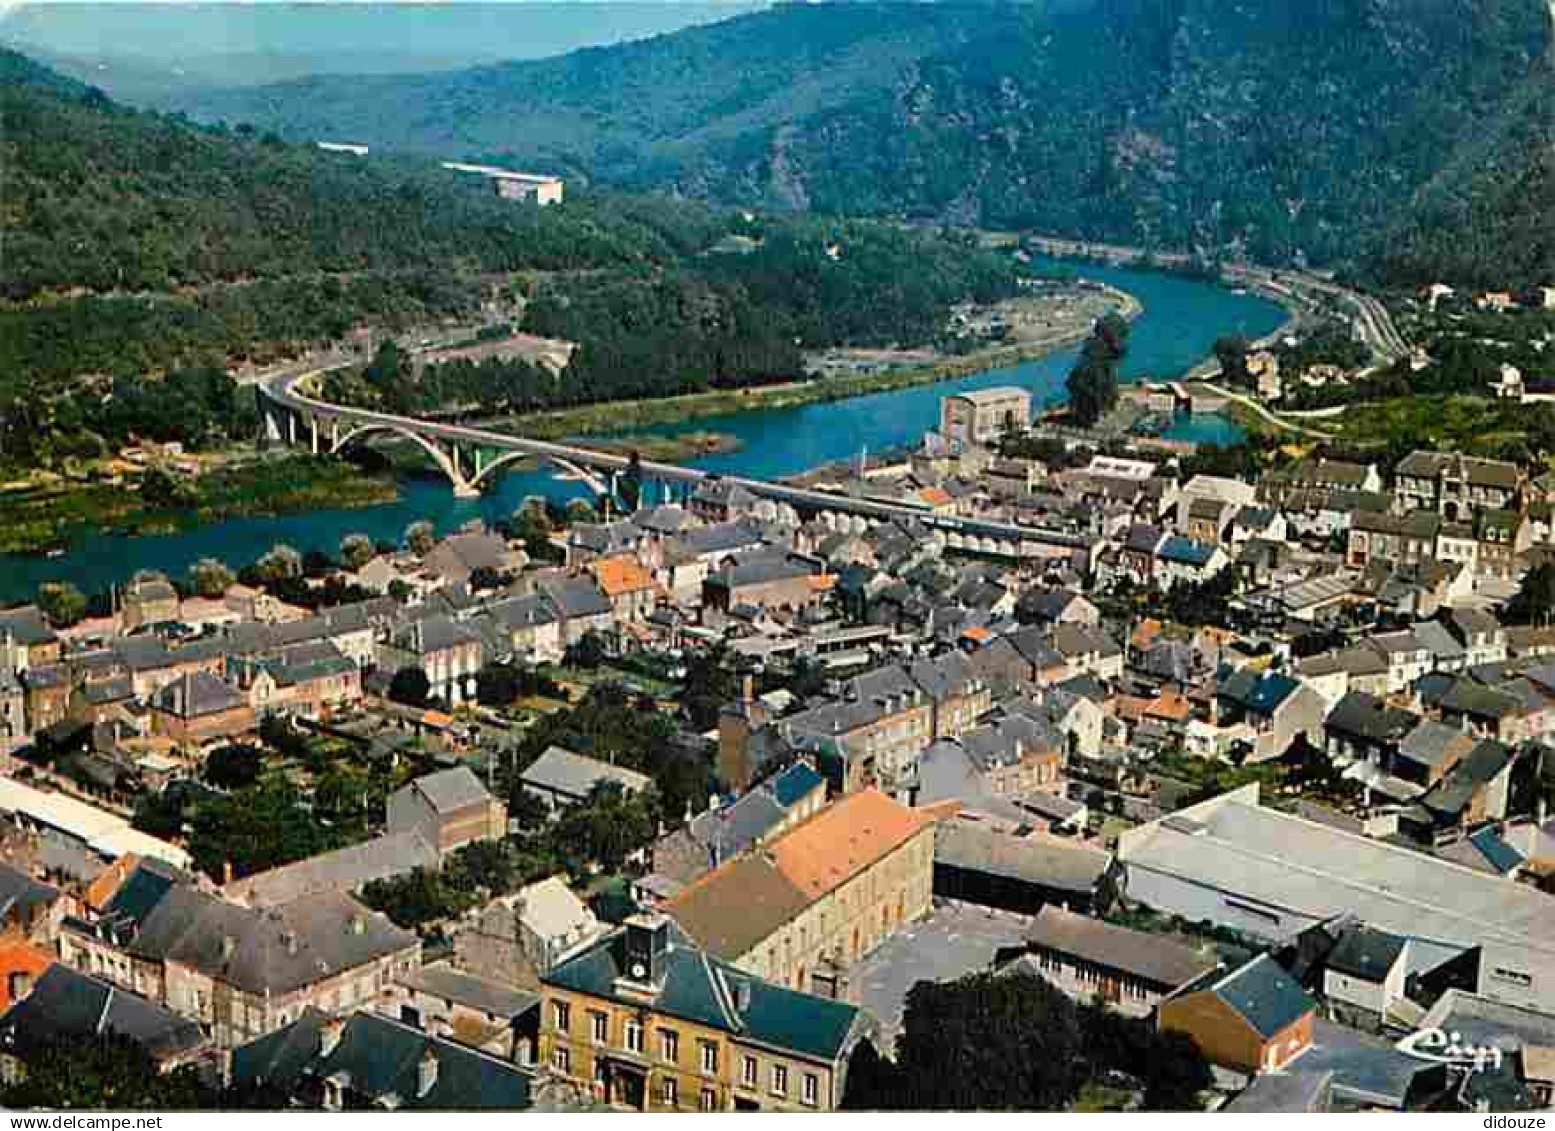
(416, 899)
(254, 830)
(1231, 352)
(234, 766)
(497, 685)
(710, 683)
(1093, 383)
(420, 538)
(581, 511)
(630, 485)
(280, 563)
(608, 827)
(589, 652)
(356, 550)
(1534, 601)
(210, 578)
(101, 1072)
(411, 687)
(528, 810)
(61, 602)
(159, 815)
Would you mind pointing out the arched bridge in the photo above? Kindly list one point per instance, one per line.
(470, 457)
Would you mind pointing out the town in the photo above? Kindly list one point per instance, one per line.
(728, 800)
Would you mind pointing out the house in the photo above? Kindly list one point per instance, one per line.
(829, 890)
(449, 651)
(199, 709)
(344, 870)
(242, 972)
(871, 737)
(652, 1023)
(957, 693)
(26, 640)
(975, 862)
(1364, 977)
(149, 599)
(366, 1061)
(1187, 561)
(1087, 958)
(481, 1014)
(562, 779)
(627, 585)
(1428, 753)
(582, 606)
(1253, 1019)
(67, 1005)
(516, 939)
(724, 831)
(459, 557)
(1454, 485)
(30, 911)
(770, 580)
(448, 810)
(1276, 707)
(982, 416)
(531, 627)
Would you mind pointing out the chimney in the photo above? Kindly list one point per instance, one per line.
(226, 872)
(290, 939)
(229, 946)
(742, 996)
(330, 1034)
(748, 688)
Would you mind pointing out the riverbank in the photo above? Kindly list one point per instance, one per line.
(42, 517)
(619, 420)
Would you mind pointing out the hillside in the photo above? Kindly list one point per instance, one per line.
(144, 255)
(1284, 129)
(1485, 219)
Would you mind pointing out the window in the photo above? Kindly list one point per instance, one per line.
(634, 1035)
(561, 1015)
(1515, 977)
(709, 1100)
(748, 1072)
(709, 1057)
(779, 1080)
(669, 1092)
(601, 1026)
(812, 1089)
(669, 1045)
(561, 1060)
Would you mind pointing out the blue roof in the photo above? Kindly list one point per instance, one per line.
(1502, 856)
(1265, 995)
(1186, 550)
(700, 988)
(1270, 691)
(794, 783)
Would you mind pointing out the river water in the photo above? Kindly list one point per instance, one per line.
(1181, 320)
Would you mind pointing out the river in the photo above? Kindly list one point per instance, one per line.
(1181, 320)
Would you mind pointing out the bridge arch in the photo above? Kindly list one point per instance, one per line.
(446, 460)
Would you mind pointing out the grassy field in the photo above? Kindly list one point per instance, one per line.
(1477, 425)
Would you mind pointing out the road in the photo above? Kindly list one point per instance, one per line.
(283, 389)
(1300, 288)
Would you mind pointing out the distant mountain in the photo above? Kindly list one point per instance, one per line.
(1488, 218)
(1285, 129)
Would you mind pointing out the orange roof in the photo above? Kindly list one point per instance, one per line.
(1131, 706)
(977, 632)
(1170, 705)
(1145, 633)
(936, 496)
(940, 810)
(820, 581)
(103, 888)
(621, 574)
(19, 958)
(843, 839)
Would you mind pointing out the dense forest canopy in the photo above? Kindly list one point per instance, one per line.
(1289, 130)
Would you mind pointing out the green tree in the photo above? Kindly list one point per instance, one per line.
(102, 1072)
(411, 687)
(1093, 382)
(608, 827)
(497, 685)
(420, 538)
(234, 766)
(356, 550)
(589, 652)
(210, 578)
(62, 603)
(254, 830)
(1231, 352)
(280, 563)
(1534, 601)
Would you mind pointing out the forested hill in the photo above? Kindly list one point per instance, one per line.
(1284, 128)
(1488, 218)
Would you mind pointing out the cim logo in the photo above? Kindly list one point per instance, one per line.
(1436, 1047)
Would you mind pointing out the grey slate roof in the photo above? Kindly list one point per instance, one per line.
(448, 791)
(700, 988)
(197, 694)
(20, 892)
(441, 980)
(343, 870)
(26, 626)
(1365, 952)
(1050, 863)
(67, 1003)
(278, 949)
(573, 775)
(1266, 996)
(1146, 956)
(381, 1057)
